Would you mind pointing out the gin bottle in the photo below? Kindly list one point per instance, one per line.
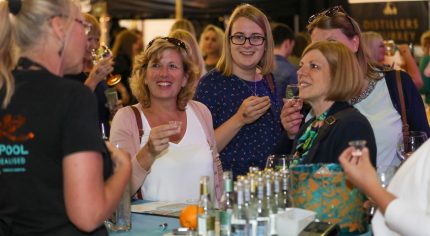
(206, 219)
(240, 222)
(226, 205)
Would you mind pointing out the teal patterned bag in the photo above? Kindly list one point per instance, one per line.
(323, 188)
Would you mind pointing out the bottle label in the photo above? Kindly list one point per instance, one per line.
(263, 226)
(225, 219)
(239, 228)
(206, 225)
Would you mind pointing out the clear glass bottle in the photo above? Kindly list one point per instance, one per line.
(206, 219)
(263, 217)
(287, 202)
(278, 195)
(240, 222)
(271, 203)
(249, 206)
(226, 204)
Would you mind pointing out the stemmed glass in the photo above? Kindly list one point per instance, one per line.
(358, 147)
(385, 174)
(280, 162)
(101, 53)
(405, 147)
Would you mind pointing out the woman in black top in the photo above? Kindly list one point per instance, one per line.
(53, 177)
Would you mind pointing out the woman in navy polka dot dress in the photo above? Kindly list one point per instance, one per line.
(241, 94)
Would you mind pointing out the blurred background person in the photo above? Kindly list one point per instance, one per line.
(211, 44)
(184, 24)
(403, 207)
(375, 46)
(240, 93)
(425, 70)
(301, 41)
(284, 73)
(128, 44)
(66, 186)
(329, 76)
(167, 159)
(193, 49)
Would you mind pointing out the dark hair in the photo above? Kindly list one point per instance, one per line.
(337, 18)
(281, 32)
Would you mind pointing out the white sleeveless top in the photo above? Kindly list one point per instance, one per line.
(385, 121)
(175, 174)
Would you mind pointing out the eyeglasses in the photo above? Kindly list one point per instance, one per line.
(86, 25)
(254, 40)
(331, 12)
(178, 43)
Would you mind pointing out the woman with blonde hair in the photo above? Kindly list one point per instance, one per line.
(169, 136)
(241, 94)
(374, 44)
(329, 76)
(194, 50)
(58, 179)
(211, 45)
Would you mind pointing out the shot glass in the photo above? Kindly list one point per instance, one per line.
(358, 147)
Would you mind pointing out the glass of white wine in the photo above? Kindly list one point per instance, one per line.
(101, 53)
(407, 146)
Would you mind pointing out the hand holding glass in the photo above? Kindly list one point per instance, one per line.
(99, 54)
(358, 146)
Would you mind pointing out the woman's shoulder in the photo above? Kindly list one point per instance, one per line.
(199, 107)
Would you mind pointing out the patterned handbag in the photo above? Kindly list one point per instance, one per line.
(323, 188)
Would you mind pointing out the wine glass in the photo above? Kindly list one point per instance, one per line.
(101, 53)
(385, 174)
(406, 146)
(292, 91)
(280, 162)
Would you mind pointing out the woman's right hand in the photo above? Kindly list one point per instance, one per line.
(291, 118)
(159, 138)
(253, 108)
(99, 72)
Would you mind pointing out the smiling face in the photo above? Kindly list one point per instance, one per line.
(335, 35)
(246, 57)
(314, 77)
(165, 75)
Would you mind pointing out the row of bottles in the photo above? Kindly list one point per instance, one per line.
(247, 208)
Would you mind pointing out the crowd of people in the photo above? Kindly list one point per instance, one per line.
(192, 107)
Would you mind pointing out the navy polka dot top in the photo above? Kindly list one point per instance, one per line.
(254, 142)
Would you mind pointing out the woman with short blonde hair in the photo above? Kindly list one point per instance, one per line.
(329, 75)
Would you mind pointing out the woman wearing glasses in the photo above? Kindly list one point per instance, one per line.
(56, 180)
(378, 99)
(241, 95)
(170, 138)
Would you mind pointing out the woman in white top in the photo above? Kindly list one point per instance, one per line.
(378, 99)
(403, 209)
(168, 159)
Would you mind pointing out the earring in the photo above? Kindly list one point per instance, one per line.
(60, 52)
